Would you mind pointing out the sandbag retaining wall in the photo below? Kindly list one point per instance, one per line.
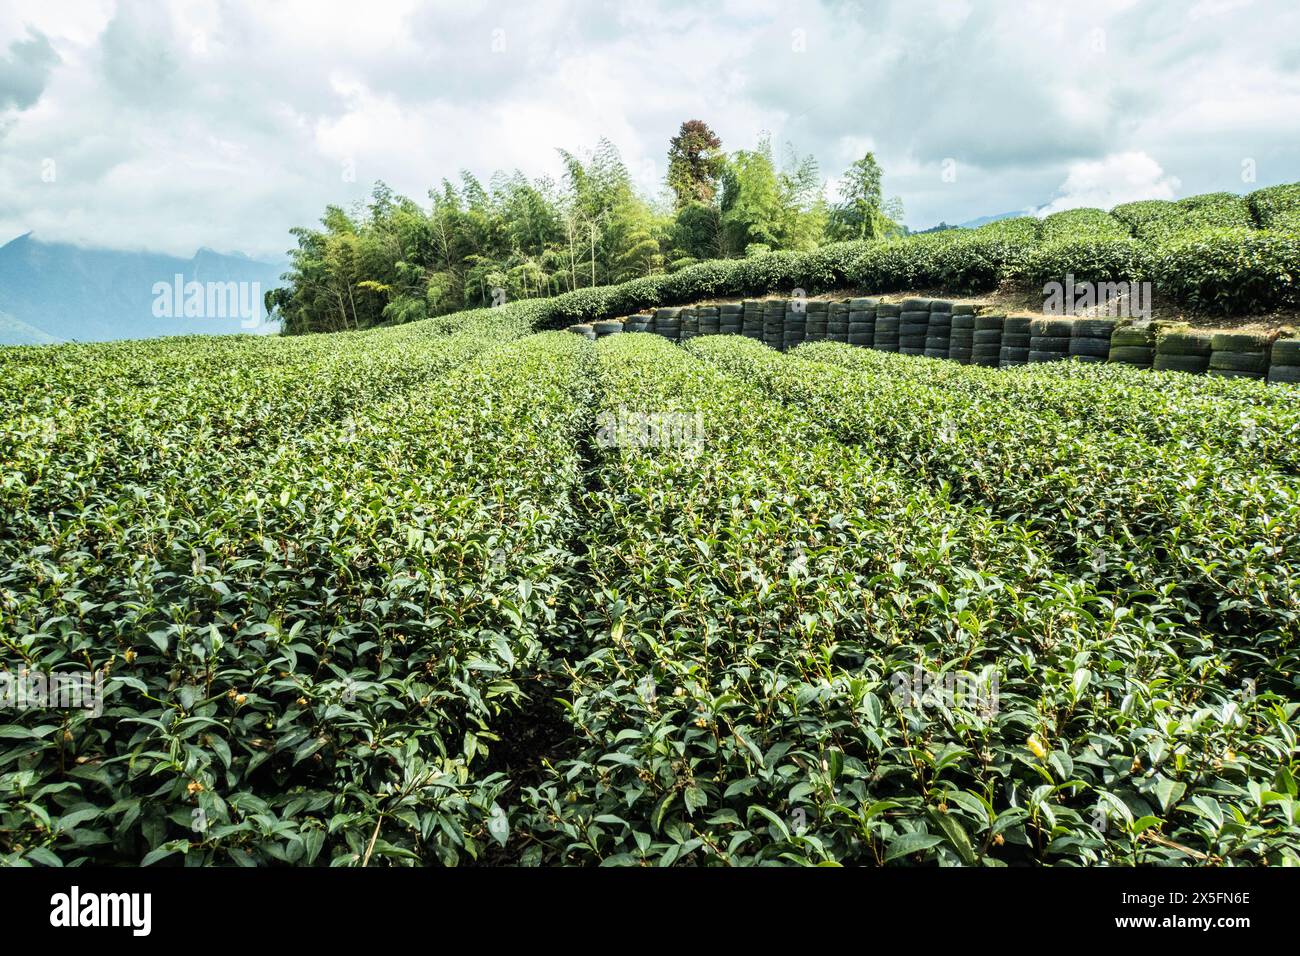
(940, 328)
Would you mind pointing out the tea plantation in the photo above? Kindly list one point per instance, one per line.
(406, 596)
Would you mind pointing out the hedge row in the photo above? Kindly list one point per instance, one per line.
(1083, 224)
(1201, 251)
(1165, 532)
(447, 614)
(1155, 220)
(1245, 425)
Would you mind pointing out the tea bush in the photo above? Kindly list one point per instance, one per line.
(1156, 220)
(1253, 428)
(1231, 270)
(1276, 207)
(1082, 224)
(760, 597)
(397, 598)
(1090, 258)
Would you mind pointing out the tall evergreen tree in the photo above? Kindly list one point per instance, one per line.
(695, 161)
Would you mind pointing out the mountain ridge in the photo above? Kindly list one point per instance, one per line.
(58, 291)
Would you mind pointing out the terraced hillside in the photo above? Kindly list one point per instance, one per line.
(455, 592)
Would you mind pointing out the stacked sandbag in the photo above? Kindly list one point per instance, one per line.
(961, 342)
(607, 327)
(1285, 361)
(863, 314)
(730, 318)
(690, 324)
(889, 319)
(1090, 339)
(913, 325)
(986, 342)
(938, 333)
(668, 323)
(1015, 341)
(707, 319)
(1239, 355)
(774, 323)
(815, 318)
(583, 329)
(1049, 340)
(837, 322)
(638, 323)
(1182, 352)
(1133, 345)
(752, 319)
(796, 324)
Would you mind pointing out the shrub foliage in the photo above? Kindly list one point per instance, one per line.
(397, 597)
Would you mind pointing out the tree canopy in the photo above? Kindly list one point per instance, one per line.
(392, 260)
(695, 162)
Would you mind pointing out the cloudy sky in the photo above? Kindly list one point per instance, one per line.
(169, 126)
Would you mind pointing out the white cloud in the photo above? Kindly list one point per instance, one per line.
(1215, 8)
(224, 123)
(1119, 178)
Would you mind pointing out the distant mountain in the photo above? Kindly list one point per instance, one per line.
(973, 223)
(985, 220)
(57, 291)
(13, 332)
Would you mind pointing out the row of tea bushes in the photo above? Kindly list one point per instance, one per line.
(309, 663)
(177, 424)
(1238, 421)
(1156, 219)
(1180, 731)
(865, 609)
(1186, 525)
(1276, 207)
(940, 328)
(756, 599)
